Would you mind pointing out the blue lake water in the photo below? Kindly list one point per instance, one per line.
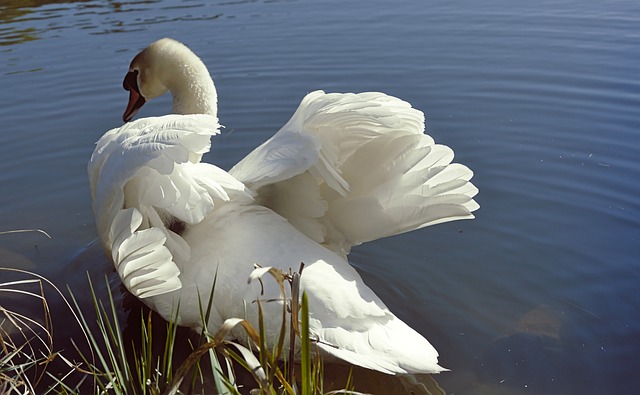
(539, 294)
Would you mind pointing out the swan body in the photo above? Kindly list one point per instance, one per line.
(346, 169)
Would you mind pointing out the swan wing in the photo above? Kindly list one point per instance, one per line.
(146, 177)
(349, 168)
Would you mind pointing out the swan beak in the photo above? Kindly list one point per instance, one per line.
(136, 100)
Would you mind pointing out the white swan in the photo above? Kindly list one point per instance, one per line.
(346, 169)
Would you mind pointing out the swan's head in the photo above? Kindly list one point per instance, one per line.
(143, 79)
(169, 65)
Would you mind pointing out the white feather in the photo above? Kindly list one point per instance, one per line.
(378, 174)
(142, 175)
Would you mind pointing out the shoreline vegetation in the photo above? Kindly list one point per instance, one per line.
(104, 361)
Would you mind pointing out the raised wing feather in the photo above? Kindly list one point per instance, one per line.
(367, 168)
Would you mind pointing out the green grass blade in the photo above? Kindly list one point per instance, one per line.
(95, 351)
(306, 377)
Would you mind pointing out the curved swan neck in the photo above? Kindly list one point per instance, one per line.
(192, 88)
(180, 71)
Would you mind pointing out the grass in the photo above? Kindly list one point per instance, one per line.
(105, 363)
(26, 341)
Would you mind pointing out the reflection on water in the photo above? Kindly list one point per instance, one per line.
(22, 21)
(537, 295)
(15, 14)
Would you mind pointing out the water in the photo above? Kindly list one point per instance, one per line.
(538, 294)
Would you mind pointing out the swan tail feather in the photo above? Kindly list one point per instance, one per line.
(377, 349)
